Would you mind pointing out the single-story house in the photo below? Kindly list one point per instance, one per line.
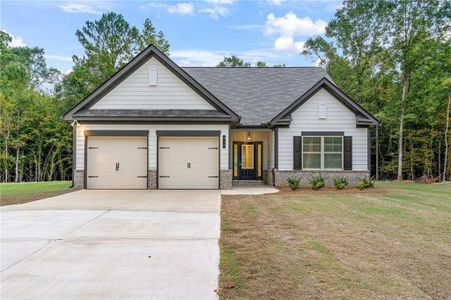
(155, 125)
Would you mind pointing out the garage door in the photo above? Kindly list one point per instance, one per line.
(115, 162)
(188, 163)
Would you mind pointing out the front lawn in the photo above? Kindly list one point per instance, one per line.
(390, 242)
(17, 193)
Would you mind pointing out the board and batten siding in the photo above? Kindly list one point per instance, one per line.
(224, 128)
(339, 118)
(136, 93)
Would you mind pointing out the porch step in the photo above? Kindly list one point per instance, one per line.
(247, 182)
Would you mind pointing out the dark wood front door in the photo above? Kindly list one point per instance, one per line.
(247, 161)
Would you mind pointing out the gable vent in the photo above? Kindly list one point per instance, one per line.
(322, 111)
(153, 75)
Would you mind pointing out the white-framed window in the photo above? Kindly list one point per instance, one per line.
(322, 153)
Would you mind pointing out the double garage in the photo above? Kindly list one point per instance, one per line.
(120, 159)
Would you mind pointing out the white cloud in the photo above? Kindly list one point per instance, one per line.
(198, 57)
(210, 58)
(215, 12)
(16, 41)
(58, 58)
(79, 8)
(181, 9)
(288, 44)
(221, 1)
(249, 27)
(291, 25)
(276, 2)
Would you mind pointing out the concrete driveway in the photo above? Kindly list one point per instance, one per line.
(112, 245)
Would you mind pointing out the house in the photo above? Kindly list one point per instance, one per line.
(155, 125)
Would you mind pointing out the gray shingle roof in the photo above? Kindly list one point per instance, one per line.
(257, 94)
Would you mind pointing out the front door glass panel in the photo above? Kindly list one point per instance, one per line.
(247, 156)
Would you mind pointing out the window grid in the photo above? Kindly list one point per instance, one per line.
(322, 152)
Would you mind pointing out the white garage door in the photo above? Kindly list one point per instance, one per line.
(188, 163)
(117, 162)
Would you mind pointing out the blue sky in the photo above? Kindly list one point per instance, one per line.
(200, 32)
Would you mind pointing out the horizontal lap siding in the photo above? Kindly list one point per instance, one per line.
(169, 93)
(224, 156)
(339, 118)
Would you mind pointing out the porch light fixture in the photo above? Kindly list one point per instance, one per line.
(248, 135)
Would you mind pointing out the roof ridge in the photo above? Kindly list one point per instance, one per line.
(253, 68)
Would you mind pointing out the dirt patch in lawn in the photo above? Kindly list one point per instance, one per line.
(11, 200)
(390, 242)
(330, 190)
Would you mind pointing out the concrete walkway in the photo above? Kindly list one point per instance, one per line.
(112, 245)
(250, 190)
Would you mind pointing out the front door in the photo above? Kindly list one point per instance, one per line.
(247, 161)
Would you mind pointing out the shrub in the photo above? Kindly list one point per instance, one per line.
(293, 183)
(365, 183)
(340, 183)
(317, 182)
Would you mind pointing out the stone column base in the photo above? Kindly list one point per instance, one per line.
(226, 179)
(79, 179)
(152, 179)
(353, 177)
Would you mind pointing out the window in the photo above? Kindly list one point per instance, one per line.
(247, 156)
(311, 152)
(322, 152)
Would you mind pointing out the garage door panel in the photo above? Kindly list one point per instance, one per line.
(105, 152)
(188, 163)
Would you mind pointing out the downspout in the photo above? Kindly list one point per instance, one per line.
(74, 125)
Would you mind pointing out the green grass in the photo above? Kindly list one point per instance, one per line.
(24, 189)
(388, 242)
(16, 193)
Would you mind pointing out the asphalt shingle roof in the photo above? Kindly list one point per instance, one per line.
(257, 94)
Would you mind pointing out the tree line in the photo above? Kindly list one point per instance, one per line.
(36, 144)
(392, 57)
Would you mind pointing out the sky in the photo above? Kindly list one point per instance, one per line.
(200, 33)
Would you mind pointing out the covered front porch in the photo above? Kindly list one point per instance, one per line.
(252, 156)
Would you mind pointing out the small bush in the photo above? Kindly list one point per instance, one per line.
(340, 183)
(317, 182)
(365, 183)
(293, 183)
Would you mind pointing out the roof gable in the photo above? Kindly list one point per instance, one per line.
(137, 62)
(362, 116)
(257, 94)
(167, 92)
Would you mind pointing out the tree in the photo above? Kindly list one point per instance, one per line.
(233, 62)
(261, 64)
(150, 36)
(375, 50)
(34, 138)
(109, 44)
